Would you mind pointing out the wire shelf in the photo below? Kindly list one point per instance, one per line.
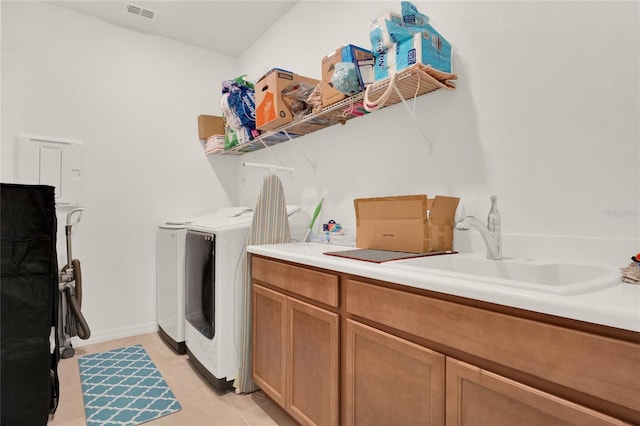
(414, 81)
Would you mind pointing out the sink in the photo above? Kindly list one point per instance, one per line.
(530, 274)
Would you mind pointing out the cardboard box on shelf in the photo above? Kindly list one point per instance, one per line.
(362, 58)
(272, 109)
(408, 223)
(209, 125)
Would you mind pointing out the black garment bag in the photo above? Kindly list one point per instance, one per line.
(28, 305)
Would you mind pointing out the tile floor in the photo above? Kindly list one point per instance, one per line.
(201, 404)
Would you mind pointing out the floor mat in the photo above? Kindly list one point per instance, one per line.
(379, 256)
(124, 387)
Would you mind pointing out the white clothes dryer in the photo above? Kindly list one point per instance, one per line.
(214, 270)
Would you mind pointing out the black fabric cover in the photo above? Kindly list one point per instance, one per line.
(29, 304)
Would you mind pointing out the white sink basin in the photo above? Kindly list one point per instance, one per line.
(548, 277)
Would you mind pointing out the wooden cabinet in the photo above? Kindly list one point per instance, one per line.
(312, 363)
(480, 398)
(295, 342)
(269, 340)
(411, 356)
(390, 380)
(570, 362)
(550, 365)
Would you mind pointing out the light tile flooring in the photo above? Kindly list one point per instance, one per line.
(201, 404)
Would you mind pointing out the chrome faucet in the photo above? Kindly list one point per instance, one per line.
(491, 233)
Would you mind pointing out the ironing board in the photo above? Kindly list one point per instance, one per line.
(270, 226)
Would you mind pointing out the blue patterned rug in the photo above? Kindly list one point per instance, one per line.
(124, 387)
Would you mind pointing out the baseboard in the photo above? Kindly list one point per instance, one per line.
(116, 333)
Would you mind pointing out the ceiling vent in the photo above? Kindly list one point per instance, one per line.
(140, 11)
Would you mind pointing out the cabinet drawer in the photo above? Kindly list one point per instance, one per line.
(603, 367)
(319, 286)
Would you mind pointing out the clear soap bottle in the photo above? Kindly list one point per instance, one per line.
(494, 223)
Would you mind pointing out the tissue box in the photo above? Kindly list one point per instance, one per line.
(409, 223)
(272, 111)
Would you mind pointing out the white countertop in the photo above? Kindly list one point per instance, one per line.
(617, 306)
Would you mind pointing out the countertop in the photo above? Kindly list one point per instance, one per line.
(617, 306)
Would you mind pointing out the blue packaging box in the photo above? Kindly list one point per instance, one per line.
(426, 47)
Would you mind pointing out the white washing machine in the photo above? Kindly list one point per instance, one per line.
(214, 270)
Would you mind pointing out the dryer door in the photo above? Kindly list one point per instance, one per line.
(200, 253)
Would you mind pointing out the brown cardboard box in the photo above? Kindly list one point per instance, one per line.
(209, 125)
(401, 224)
(329, 94)
(343, 54)
(272, 111)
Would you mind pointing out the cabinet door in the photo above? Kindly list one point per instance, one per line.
(391, 381)
(269, 339)
(478, 397)
(313, 364)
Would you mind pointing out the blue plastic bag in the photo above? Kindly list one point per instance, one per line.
(238, 103)
(345, 78)
(411, 16)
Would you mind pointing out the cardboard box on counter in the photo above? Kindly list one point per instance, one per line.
(272, 109)
(362, 58)
(209, 125)
(408, 223)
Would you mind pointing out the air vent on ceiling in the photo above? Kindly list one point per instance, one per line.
(140, 11)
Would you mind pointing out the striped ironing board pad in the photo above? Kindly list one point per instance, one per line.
(270, 226)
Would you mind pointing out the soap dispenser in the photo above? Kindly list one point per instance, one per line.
(494, 224)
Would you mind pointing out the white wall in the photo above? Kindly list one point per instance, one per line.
(545, 115)
(133, 99)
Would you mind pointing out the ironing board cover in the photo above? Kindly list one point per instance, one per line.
(270, 226)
